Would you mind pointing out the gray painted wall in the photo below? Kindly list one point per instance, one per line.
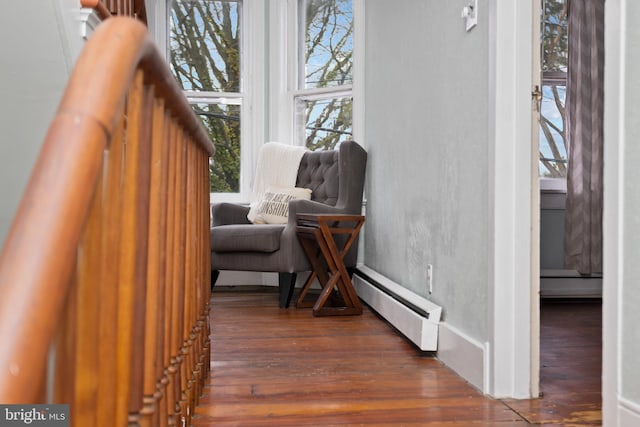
(426, 121)
(38, 41)
(630, 297)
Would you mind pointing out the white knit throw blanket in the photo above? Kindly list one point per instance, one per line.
(277, 166)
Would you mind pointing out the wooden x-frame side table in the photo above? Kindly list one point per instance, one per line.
(317, 234)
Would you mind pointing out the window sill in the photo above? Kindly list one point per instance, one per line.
(229, 198)
(553, 185)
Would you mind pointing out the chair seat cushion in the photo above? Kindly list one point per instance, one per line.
(246, 238)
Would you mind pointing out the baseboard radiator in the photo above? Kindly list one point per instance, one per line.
(569, 284)
(414, 316)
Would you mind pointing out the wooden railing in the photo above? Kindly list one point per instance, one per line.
(104, 276)
(108, 8)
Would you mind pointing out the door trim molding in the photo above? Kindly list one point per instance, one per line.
(613, 252)
(510, 189)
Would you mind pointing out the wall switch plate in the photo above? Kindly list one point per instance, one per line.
(470, 14)
(430, 277)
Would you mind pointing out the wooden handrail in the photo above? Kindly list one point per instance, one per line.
(107, 8)
(98, 6)
(108, 255)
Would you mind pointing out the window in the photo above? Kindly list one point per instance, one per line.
(323, 100)
(205, 55)
(257, 71)
(553, 149)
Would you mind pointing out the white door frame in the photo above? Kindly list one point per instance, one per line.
(613, 253)
(536, 82)
(616, 411)
(509, 357)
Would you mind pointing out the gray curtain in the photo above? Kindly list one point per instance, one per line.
(585, 96)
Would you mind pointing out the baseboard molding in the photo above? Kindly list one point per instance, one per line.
(466, 356)
(419, 320)
(629, 413)
(570, 287)
(415, 317)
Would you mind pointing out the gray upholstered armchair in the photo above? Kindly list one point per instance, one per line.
(336, 179)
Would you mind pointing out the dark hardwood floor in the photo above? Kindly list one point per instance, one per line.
(570, 365)
(275, 367)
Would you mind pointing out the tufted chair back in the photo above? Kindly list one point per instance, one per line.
(336, 177)
(318, 171)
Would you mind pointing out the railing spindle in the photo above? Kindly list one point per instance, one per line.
(106, 266)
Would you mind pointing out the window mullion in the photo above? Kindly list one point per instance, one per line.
(324, 92)
(282, 70)
(301, 37)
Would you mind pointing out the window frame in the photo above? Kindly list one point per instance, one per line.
(300, 94)
(251, 86)
(269, 78)
(301, 97)
(554, 78)
(283, 71)
(551, 78)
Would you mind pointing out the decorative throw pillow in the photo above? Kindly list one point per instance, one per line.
(273, 207)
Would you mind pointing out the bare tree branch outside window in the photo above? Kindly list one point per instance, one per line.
(205, 57)
(553, 147)
(328, 54)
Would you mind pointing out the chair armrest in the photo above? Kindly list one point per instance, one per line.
(311, 207)
(229, 213)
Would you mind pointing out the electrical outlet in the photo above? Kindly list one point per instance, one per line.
(430, 277)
